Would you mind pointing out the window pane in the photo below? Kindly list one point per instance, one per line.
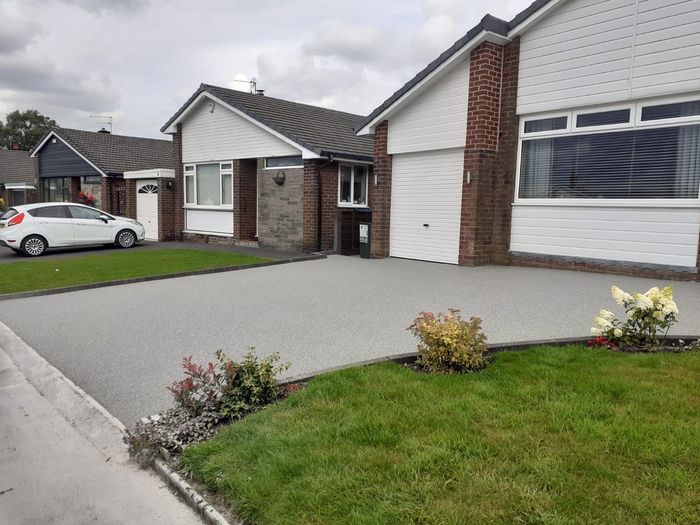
(659, 163)
(682, 109)
(345, 184)
(189, 189)
(92, 179)
(605, 118)
(189, 168)
(280, 162)
(208, 185)
(56, 189)
(226, 167)
(55, 212)
(83, 213)
(359, 194)
(545, 124)
(226, 189)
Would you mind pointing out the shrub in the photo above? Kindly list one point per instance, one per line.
(649, 315)
(448, 344)
(207, 397)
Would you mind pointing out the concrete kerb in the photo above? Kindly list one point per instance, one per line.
(90, 418)
(66, 289)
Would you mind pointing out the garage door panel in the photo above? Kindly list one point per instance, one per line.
(426, 189)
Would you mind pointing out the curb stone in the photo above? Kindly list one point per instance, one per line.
(90, 418)
(118, 282)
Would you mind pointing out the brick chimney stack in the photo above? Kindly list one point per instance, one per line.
(15, 146)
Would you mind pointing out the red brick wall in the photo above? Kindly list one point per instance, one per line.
(171, 216)
(380, 193)
(312, 169)
(245, 199)
(329, 204)
(75, 189)
(106, 194)
(130, 207)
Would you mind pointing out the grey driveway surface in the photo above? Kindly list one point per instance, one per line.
(123, 344)
(8, 256)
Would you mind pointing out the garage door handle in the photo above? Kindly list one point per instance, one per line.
(426, 225)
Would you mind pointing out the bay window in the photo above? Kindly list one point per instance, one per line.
(352, 186)
(640, 158)
(209, 185)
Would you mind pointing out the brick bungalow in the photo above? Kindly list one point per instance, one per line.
(568, 137)
(122, 175)
(255, 169)
(18, 177)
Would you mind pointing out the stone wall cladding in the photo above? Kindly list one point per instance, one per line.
(380, 193)
(171, 215)
(281, 213)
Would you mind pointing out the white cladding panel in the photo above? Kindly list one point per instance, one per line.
(590, 52)
(223, 135)
(426, 188)
(667, 236)
(436, 119)
(209, 221)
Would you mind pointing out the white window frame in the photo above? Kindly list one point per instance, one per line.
(352, 185)
(291, 166)
(635, 122)
(193, 173)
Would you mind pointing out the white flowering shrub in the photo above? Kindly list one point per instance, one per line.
(649, 315)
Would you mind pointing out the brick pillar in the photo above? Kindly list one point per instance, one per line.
(380, 193)
(74, 189)
(483, 112)
(245, 196)
(106, 194)
(312, 169)
(171, 216)
(237, 199)
(130, 198)
(329, 204)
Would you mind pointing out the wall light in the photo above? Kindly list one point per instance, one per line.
(279, 177)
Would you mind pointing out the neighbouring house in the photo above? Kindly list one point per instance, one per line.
(252, 168)
(18, 177)
(568, 137)
(126, 176)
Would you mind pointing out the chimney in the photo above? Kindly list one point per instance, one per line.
(15, 146)
(103, 130)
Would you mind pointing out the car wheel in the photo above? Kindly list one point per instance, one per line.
(126, 239)
(33, 246)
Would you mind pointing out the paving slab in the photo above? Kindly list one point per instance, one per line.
(67, 465)
(123, 344)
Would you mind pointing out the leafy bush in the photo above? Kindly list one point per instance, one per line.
(649, 315)
(448, 344)
(207, 397)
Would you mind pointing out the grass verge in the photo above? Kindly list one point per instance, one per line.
(551, 435)
(31, 275)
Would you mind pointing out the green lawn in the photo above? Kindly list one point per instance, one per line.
(550, 435)
(57, 273)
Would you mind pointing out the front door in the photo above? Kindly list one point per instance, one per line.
(147, 207)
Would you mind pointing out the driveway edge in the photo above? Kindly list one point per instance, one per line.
(90, 418)
(204, 271)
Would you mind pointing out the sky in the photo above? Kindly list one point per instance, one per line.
(139, 60)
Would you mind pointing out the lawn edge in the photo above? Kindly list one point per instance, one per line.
(410, 357)
(132, 280)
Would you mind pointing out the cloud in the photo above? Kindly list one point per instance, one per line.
(16, 31)
(98, 6)
(344, 39)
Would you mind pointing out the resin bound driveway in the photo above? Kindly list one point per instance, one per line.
(123, 344)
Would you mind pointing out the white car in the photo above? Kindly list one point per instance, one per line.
(33, 228)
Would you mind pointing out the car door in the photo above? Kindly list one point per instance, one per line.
(88, 227)
(54, 223)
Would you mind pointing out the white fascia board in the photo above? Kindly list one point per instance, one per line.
(416, 90)
(533, 19)
(305, 153)
(57, 136)
(158, 173)
(19, 186)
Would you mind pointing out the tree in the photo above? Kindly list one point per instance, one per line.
(24, 128)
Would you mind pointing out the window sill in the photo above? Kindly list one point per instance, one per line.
(610, 203)
(207, 208)
(346, 205)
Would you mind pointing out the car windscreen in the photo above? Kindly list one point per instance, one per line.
(8, 214)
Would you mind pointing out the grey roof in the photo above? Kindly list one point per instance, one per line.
(323, 131)
(488, 23)
(115, 154)
(17, 167)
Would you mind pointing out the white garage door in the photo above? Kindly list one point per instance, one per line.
(147, 207)
(426, 203)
